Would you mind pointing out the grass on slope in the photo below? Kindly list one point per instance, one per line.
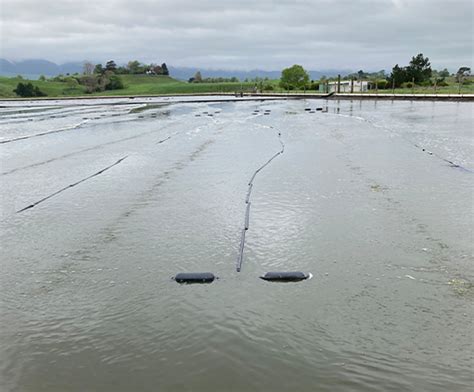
(162, 85)
(150, 85)
(134, 85)
(52, 89)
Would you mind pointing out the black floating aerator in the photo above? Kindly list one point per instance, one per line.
(194, 277)
(294, 276)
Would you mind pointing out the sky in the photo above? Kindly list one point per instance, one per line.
(241, 34)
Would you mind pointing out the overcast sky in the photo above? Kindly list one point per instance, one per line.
(241, 34)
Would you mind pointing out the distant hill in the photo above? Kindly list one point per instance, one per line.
(35, 67)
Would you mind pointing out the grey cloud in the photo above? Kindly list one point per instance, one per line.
(241, 35)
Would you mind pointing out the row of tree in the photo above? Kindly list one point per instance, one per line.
(101, 82)
(93, 82)
(132, 68)
(417, 72)
(197, 78)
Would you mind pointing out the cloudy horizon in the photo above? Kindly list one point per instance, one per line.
(244, 35)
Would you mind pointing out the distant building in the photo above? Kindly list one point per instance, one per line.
(359, 86)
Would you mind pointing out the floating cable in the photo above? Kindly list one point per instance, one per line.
(72, 185)
(240, 256)
(70, 128)
(451, 163)
(247, 216)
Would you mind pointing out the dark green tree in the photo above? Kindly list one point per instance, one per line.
(294, 77)
(111, 66)
(114, 83)
(444, 73)
(134, 67)
(27, 90)
(398, 76)
(462, 74)
(419, 69)
(164, 69)
(98, 69)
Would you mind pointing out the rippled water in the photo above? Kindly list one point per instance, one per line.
(373, 198)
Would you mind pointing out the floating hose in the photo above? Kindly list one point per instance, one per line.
(247, 216)
(72, 185)
(240, 256)
(451, 163)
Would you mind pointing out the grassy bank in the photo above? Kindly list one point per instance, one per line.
(134, 85)
(163, 85)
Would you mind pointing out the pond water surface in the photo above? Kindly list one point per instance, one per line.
(374, 199)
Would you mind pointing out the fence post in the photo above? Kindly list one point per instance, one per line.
(352, 85)
(338, 84)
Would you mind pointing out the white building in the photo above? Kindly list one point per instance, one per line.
(359, 86)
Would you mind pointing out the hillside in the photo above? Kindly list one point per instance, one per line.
(134, 85)
(163, 85)
(35, 67)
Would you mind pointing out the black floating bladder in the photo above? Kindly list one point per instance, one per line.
(307, 109)
(319, 109)
(194, 277)
(294, 276)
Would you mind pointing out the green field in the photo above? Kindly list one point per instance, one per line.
(134, 85)
(52, 89)
(165, 85)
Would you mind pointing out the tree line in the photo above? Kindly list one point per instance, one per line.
(133, 67)
(95, 78)
(417, 72)
(100, 77)
(197, 78)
